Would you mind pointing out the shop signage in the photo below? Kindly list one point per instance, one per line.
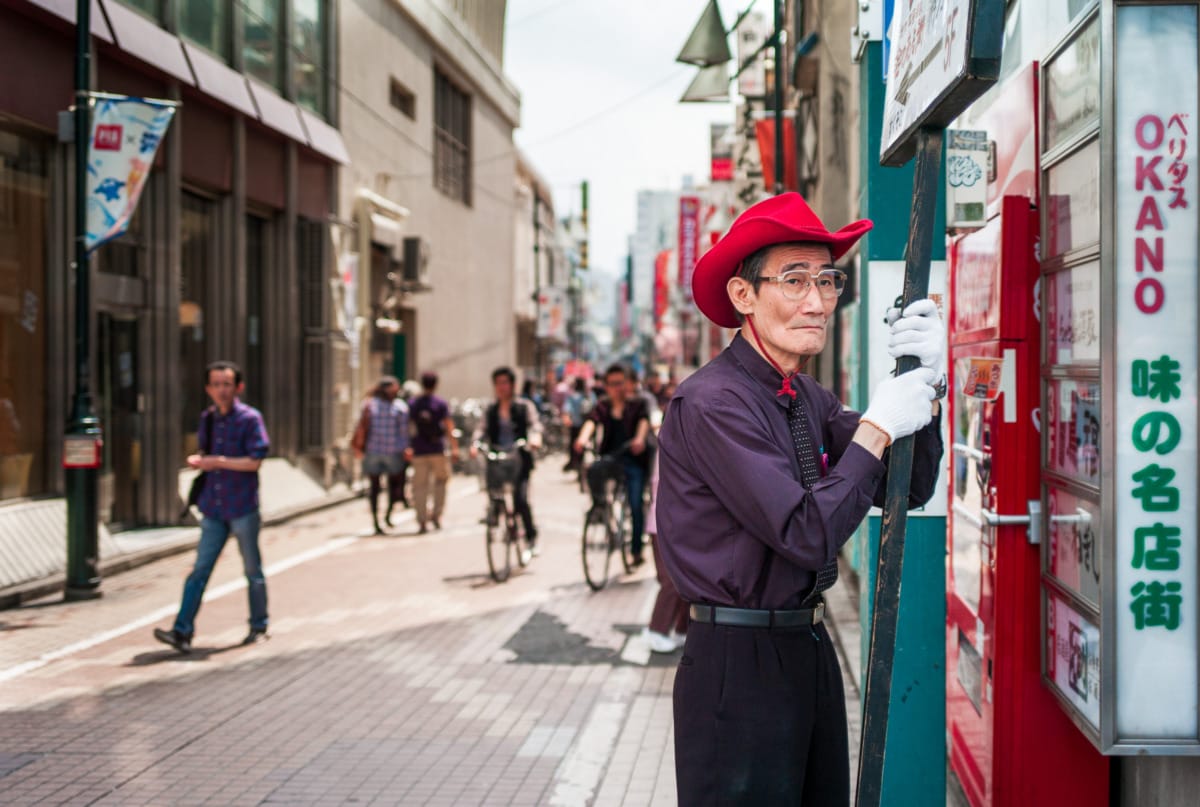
(752, 34)
(966, 178)
(943, 55)
(720, 139)
(1156, 138)
(82, 451)
(689, 241)
(125, 135)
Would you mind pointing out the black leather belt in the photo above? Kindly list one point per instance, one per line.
(755, 618)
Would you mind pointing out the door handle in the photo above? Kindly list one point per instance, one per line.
(970, 452)
(1032, 520)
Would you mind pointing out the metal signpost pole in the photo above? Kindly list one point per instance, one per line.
(895, 510)
(83, 573)
(780, 37)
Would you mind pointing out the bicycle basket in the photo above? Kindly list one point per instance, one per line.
(503, 470)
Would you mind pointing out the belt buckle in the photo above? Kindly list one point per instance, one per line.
(819, 613)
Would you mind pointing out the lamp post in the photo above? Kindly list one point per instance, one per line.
(83, 436)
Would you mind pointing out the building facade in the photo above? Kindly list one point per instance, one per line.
(228, 255)
(427, 205)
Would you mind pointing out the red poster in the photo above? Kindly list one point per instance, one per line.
(689, 241)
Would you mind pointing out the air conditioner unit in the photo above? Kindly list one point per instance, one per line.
(415, 271)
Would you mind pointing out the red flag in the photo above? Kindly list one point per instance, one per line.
(764, 130)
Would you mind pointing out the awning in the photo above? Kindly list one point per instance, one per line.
(141, 37)
(65, 9)
(277, 113)
(324, 139)
(220, 81)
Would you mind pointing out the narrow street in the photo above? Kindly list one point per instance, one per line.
(396, 673)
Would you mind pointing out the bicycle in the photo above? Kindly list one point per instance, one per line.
(611, 532)
(505, 535)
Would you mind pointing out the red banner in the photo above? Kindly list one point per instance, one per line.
(689, 241)
(764, 130)
(661, 287)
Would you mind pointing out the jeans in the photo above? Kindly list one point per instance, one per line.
(635, 489)
(213, 534)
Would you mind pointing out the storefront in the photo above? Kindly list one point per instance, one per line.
(228, 256)
(1072, 574)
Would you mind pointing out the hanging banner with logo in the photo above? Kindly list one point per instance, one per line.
(125, 135)
(689, 241)
(752, 33)
(764, 132)
(1156, 595)
(552, 313)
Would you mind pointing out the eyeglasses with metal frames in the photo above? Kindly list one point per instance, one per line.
(795, 283)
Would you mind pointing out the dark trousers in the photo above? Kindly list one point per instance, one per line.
(760, 718)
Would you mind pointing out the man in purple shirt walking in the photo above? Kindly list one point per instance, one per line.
(233, 442)
(763, 476)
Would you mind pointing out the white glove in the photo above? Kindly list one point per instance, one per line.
(902, 405)
(918, 332)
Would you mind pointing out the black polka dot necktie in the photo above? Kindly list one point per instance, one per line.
(810, 473)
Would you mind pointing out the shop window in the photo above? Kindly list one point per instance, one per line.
(206, 22)
(151, 8)
(24, 201)
(198, 231)
(402, 98)
(452, 139)
(308, 37)
(262, 42)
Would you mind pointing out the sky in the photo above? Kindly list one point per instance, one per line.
(600, 92)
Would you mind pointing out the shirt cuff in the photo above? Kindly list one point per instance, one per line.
(862, 466)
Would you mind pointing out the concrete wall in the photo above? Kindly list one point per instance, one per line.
(464, 326)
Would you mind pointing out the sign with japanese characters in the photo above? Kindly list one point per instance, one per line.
(689, 241)
(944, 54)
(1155, 258)
(966, 177)
(125, 135)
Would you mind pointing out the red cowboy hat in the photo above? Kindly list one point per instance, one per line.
(782, 219)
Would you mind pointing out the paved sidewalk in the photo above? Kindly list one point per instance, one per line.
(396, 674)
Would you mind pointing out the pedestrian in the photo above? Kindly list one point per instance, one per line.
(507, 420)
(381, 440)
(233, 442)
(623, 425)
(572, 417)
(432, 429)
(668, 619)
(765, 474)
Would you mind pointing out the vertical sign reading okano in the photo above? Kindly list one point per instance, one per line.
(1157, 138)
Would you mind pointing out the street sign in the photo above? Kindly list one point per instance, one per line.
(944, 55)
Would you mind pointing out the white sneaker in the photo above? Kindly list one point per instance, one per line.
(678, 638)
(660, 643)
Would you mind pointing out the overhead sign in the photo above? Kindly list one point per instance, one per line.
(944, 54)
(1154, 599)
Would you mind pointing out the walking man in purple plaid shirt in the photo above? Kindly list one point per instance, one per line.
(233, 442)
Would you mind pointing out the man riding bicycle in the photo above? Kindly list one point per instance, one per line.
(506, 421)
(624, 424)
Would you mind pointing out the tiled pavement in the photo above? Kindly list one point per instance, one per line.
(396, 674)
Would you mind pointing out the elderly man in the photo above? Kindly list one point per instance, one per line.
(764, 475)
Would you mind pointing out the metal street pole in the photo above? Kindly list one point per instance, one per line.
(780, 38)
(886, 612)
(537, 282)
(83, 572)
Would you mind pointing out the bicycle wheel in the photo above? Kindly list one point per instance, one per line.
(516, 537)
(597, 552)
(499, 548)
(623, 532)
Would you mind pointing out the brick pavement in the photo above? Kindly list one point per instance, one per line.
(396, 674)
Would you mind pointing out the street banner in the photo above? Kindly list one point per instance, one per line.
(662, 287)
(689, 241)
(125, 135)
(721, 150)
(764, 131)
(552, 314)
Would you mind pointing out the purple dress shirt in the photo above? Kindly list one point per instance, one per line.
(241, 433)
(735, 525)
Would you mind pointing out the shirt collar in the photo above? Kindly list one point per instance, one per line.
(760, 369)
(236, 409)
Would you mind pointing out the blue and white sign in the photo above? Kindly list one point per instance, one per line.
(125, 135)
